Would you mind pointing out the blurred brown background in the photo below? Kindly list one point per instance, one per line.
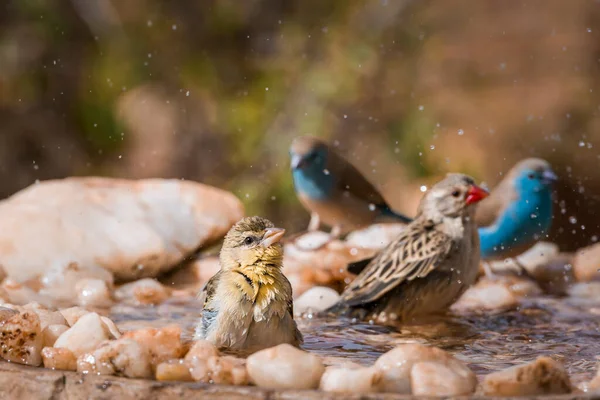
(214, 91)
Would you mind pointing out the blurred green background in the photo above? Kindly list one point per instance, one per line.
(214, 91)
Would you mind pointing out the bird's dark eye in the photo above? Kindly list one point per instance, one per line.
(249, 240)
(455, 193)
(531, 175)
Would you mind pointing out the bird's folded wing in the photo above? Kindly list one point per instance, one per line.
(349, 179)
(208, 291)
(412, 255)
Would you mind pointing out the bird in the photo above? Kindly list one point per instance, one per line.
(428, 266)
(334, 191)
(518, 212)
(248, 304)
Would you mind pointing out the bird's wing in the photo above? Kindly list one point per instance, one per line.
(414, 254)
(208, 291)
(488, 211)
(349, 179)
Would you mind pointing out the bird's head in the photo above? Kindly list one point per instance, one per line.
(532, 175)
(308, 154)
(251, 241)
(452, 197)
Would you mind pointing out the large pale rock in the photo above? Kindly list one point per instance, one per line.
(432, 378)
(62, 282)
(540, 377)
(315, 299)
(349, 380)
(396, 369)
(84, 336)
(124, 357)
(192, 275)
(586, 264)
(21, 339)
(134, 229)
(143, 291)
(93, 293)
(376, 236)
(51, 333)
(285, 367)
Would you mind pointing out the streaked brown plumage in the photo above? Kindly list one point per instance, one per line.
(248, 303)
(429, 265)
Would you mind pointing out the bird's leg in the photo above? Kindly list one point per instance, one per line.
(315, 222)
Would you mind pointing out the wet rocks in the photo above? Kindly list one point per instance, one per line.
(21, 338)
(398, 373)
(541, 377)
(173, 370)
(124, 357)
(285, 367)
(93, 293)
(163, 344)
(349, 380)
(227, 370)
(315, 299)
(55, 358)
(133, 229)
(586, 264)
(84, 336)
(142, 292)
(51, 333)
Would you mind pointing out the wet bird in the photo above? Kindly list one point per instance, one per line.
(428, 266)
(334, 191)
(248, 303)
(518, 212)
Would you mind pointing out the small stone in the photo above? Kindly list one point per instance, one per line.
(285, 367)
(93, 293)
(349, 380)
(315, 299)
(202, 349)
(6, 313)
(163, 344)
(59, 359)
(51, 333)
(375, 236)
(432, 378)
(124, 357)
(485, 296)
(84, 336)
(21, 339)
(173, 370)
(143, 291)
(556, 276)
(47, 317)
(226, 370)
(112, 329)
(396, 366)
(18, 293)
(73, 314)
(540, 377)
(585, 264)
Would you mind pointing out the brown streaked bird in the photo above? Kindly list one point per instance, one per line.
(334, 191)
(429, 265)
(248, 303)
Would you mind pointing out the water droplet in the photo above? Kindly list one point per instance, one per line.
(345, 116)
(326, 171)
(372, 207)
(461, 132)
(187, 93)
(589, 30)
(572, 220)
(432, 147)
(423, 188)
(174, 27)
(266, 89)
(533, 216)
(421, 108)
(581, 143)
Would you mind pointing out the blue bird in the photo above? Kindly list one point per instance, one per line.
(518, 212)
(334, 191)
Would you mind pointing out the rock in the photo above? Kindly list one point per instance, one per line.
(143, 291)
(500, 294)
(396, 367)
(315, 299)
(326, 266)
(134, 229)
(6, 313)
(541, 377)
(586, 264)
(192, 275)
(432, 378)
(163, 344)
(59, 359)
(173, 370)
(93, 293)
(202, 349)
(47, 317)
(124, 357)
(556, 276)
(285, 367)
(376, 236)
(226, 370)
(62, 282)
(84, 336)
(112, 329)
(51, 333)
(73, 314)
(590, 290)
(17, 293)
(21, 339)
(349, 380)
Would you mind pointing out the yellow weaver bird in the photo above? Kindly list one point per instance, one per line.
(248, 303)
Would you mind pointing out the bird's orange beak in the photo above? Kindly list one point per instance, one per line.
(272, 236)
(476, 194)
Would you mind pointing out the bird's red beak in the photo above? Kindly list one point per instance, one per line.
(476, 194)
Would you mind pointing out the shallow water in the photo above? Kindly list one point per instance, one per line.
(566, 329)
